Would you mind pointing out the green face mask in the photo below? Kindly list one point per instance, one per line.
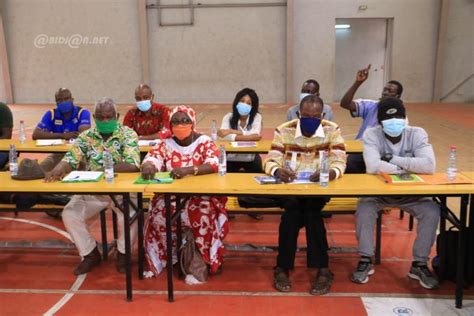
(106, 127)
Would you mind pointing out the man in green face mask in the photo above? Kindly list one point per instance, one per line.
(122, 143)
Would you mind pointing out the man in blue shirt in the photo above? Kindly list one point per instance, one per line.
(367, 110)
(66, 121)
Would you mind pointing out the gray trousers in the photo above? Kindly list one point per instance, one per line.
(425, 210)
(83, 208)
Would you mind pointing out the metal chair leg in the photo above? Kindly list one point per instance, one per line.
(410, 223)
(114, 225)
(378, 238)
(103, 229)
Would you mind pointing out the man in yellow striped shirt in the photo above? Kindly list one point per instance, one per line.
(294, 154)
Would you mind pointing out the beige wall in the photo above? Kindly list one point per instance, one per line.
(458, 61)
(91, 71)
(226, 50)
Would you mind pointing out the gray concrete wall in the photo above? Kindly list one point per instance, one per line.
(459, 51)
(111, 68)
(226, 49)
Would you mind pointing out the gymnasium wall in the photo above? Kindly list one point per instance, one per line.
(226, 49)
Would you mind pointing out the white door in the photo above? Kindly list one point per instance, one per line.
(364, 43)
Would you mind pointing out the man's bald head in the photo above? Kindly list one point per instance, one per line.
(143, 92)
(63, 94)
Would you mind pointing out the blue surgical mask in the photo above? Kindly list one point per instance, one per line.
(144, 105)
(65, 107)
(394, 127)
(243, 108)
(303, 95)
(309, 125)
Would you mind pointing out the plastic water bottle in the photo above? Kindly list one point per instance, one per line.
(213, 130)
(108, 167)
(452, 170)
(22, 134)
(13, 161)
(323, 168)
(222, 161)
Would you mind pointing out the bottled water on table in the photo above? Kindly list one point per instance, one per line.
(108, 166)
(452, 170)
(13, 165)
(22, 133)
(222, 161)
(213, 130)
(323, 168)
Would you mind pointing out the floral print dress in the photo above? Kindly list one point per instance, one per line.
(205, 215)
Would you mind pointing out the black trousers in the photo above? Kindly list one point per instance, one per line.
(355, 164)
(303, 212)
(254, 166)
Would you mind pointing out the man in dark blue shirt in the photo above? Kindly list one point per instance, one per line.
(66, 121)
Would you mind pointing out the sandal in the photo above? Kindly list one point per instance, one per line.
(322, 283)
(281, 280)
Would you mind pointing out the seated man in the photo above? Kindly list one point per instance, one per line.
(367, 110)
(310, 86)
(394, 148)
(6, 127)
(293, 140)
(122, 143)
(149, 119)
(66, 121)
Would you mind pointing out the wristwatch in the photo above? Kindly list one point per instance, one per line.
(387, 157)
(196, 170)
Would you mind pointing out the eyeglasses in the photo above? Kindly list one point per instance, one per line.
(183, 121)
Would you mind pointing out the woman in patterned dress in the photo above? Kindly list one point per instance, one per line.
(186, 153)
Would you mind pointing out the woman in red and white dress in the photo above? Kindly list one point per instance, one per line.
(185, 153)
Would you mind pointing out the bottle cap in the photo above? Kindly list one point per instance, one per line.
(452, 147)
(21, 122)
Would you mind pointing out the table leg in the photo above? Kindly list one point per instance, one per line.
(140, 223)
(442, 245)
(179, 205)
(461, 250)
(169, 248)
(128, 255)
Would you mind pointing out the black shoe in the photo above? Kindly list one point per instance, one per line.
(121, 262)
(91, 260)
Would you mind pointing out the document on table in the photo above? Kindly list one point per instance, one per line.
(151, 142)
(83, 176)
(49, 142)
(243, 144)
(160, 177)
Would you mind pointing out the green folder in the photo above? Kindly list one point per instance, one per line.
(160, 177)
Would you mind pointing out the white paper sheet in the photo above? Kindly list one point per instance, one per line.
(243, 144)
(83, 176)
(49, 142)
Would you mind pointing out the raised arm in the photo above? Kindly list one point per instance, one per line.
(347, 100)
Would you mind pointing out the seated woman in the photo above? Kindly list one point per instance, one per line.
(186, 153)
(244, 123)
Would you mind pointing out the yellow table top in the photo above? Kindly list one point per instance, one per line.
(350, 184)
(123, 182)
(263, 146)
(469, 174)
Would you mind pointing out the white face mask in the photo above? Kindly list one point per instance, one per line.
(144, 105)
(303, 95)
